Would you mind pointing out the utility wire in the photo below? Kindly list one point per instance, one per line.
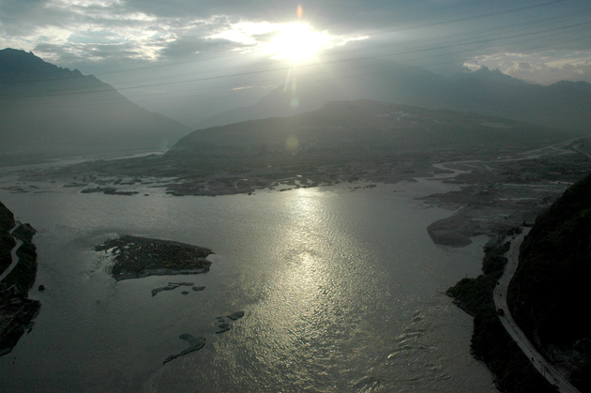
(375, 34)
(426, 48)
(332, 78)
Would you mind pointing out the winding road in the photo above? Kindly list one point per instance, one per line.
(13, 255)
(500, 298)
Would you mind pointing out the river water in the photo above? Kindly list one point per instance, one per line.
(342, 292)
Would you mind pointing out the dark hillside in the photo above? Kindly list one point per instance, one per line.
(549, 295)
(353, 129)
(6, 241)
(50, 111)
(563, 105)
(6, 218)
(16, 310)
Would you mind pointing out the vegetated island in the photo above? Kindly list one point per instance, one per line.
(17, 311)
(137, 257)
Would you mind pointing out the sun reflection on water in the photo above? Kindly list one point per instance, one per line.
(303, 305)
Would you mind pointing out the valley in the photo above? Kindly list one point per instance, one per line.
(345, 175)
(508, 171)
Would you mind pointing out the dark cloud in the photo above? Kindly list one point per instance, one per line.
(187, 46)
(12, 9)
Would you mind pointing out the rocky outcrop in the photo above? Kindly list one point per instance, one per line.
(549, 294)
(17, 311)
(171, 286)
(195, 344)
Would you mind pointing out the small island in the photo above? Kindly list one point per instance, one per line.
(137, 257)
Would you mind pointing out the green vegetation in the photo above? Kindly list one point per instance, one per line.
(6, 240)
(16, 311)
(6, 218)
(490, 342)
(24, 232)
(549, 295)
(6, 244)
(24, 273)
(134, 256)
(494, 261)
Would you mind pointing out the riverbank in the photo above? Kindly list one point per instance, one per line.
(490, 341)
(304, 283)
(496, 192)
(17, 311)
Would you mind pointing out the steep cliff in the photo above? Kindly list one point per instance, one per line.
(549, 294)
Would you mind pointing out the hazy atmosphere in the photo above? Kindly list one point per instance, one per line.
(193, 59)
(315, 196)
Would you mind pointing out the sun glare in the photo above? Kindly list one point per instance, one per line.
(298, 43)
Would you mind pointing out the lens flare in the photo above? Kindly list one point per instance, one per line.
(292, 144)
(298, 43)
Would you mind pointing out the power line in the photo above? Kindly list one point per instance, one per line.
(375, 34)
(280, 79)
(433, 46)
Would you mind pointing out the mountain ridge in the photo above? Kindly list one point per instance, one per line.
(48, 111)
(488, 92)
(548, 294)
(19, 66)
(361, 124)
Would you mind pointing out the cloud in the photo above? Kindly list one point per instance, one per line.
(435, 34)
(541, 67)
(96, 30)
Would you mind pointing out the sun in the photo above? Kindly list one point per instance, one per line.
(298, 43)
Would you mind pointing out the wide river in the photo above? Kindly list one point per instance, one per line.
(343, 291)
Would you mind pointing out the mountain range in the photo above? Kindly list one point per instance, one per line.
(345, 130)
(562, 105)
(48, 111)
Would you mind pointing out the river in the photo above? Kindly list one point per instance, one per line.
(343, 291)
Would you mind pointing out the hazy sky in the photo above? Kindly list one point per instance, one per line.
(225, 53)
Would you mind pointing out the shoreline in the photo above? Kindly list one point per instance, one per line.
(17, 310)
(495, 193)
(159, 272)
(439, 200)
(490, 342)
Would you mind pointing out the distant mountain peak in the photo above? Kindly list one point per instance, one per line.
(580, 85)
(486, 74)
(20, 66)
(52, 111)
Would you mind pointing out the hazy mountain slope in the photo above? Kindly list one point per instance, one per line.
(53, 111)
(283, 101)
(493, 76)
(549, 294)
(562, 105)
(360, 127)
(378, 81)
